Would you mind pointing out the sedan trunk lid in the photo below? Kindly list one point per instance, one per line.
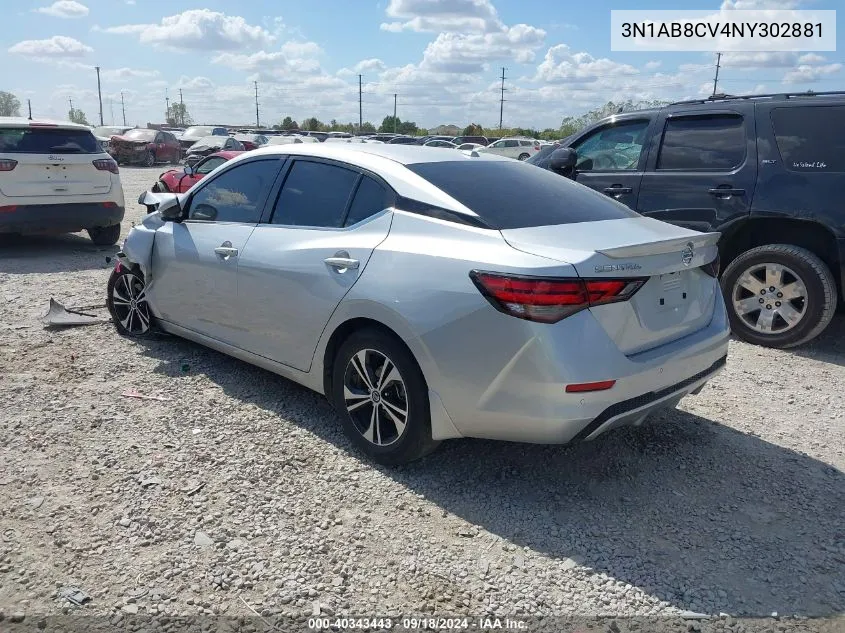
(678, 297)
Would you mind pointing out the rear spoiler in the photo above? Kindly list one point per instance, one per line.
(673, 245)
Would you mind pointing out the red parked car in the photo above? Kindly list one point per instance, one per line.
(251, 141)
(180, 180)
(145, 147)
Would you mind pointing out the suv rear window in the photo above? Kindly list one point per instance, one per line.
(811, 138)
(35, 140)
(712, 142)
(512, 195)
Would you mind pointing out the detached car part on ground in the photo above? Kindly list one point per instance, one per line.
(56, 178)
(180, 180)
(429, 293)
(767, 172)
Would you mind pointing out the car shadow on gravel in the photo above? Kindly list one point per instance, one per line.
(829, 347)
(691, 511)
(69, 252)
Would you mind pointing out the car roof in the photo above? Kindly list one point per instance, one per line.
(229, 154)
(402, 154)
(19, 121)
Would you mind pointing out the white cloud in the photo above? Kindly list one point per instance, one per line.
(64, 9)
(805, 73)
(811, 58)
(54, 47)
(653, 65)
(124, 74)
(749, 5)
(562, 65)
(365, 66)
(293, 57)
(198, 29)
(439, 16)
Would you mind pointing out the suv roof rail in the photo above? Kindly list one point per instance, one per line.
(774, 95)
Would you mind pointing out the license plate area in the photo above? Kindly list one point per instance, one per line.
(673, 290)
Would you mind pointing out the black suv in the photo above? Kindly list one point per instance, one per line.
(767, 171)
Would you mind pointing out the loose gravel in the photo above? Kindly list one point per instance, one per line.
(236, 493)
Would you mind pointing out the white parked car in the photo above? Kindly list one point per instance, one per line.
(440, 143)
(519, 148)
(55, 177)
(290, 140)
(470, 146)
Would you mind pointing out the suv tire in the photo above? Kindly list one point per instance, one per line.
(405, 390)
(149, 159)
(808, 303)
(523, 156)
(104, 235)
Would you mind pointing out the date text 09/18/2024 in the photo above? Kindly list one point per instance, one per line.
(417, 624)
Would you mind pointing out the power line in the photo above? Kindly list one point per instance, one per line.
(502, 100)
(716, 78)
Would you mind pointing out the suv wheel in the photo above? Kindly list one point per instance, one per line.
(104, 235)
(779, 295)
(149, 159)
(127, 302)
(523, 156)
(381, 396)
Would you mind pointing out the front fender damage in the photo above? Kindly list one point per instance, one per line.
(137, 248)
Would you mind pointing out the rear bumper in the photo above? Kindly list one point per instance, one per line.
(59, 218)
(128, 156)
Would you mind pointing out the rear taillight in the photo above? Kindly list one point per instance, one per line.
(7, 164)
(8, 208)
(106, 164)
(550, 299)
(713, 268)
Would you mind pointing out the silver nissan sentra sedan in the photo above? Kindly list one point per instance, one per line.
(430, 293)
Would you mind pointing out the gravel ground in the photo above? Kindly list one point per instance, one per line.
(240, 493)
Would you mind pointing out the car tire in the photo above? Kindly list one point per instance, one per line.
(104, 235)
(523, 157)
(160, 187)
(368, 352)
(784, 319)
(127, 304)
(149, 159)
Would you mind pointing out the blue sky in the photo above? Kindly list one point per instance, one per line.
(442, 57)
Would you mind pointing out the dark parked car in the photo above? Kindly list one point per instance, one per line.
(145, 147)
(767, 171)
(403, 140)
(196, 132)
(210, 145)
(320, 136)
(460, 140)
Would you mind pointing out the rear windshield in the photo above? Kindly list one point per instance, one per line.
(811, 139)
(140, 135)
(30, 140)
(512, 195)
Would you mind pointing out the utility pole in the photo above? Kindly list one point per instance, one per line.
(70, 101)
(99, 94)
(123, 106)
(181, 109)
(29, 105)
(167, 105)
(257, 118)
(716, 78)
(360, 105)
(111, 109)
(502, 101)
(394, 112)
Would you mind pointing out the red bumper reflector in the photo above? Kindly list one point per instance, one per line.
(110, 205)
(8, 208)
(583, 387)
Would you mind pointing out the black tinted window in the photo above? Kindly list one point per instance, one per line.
(705, 142)
(370, 198)
(33, 140)
(315, 194)
(237, 195)
(811, 138)
(511, 195)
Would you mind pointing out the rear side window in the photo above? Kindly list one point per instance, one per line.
(314, 194)
(236, 195)
(715, 142)
(370, 198)
(811, 138)
(513, 195)
(33, 140)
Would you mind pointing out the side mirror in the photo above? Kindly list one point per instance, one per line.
(165, 203)
(189, 170)
(562, 161)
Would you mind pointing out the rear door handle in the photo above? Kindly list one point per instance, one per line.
(342, 263)
(617, 190)
(725, 192)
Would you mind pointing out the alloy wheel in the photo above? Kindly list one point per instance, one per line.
(375, 397)
(770, 298)
(130, 304)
